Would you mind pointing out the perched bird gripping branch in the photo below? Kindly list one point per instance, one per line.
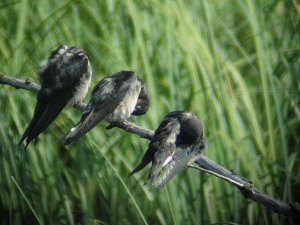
(65, 78)
(177, 143)
(113, 99)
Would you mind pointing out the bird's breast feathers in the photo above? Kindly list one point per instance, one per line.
(82, 87)
(126, 105)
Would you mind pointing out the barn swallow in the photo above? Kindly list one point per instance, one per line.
(177, 142)
(65, 78)
(113, 99)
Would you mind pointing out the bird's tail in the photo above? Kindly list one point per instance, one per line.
(87, 122)
(42, 118)
(144, 162)
(136, 169)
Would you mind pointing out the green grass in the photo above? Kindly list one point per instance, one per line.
(235, 64)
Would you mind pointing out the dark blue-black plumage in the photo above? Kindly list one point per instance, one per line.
(177, 142)
(65, 77)
(113, 99)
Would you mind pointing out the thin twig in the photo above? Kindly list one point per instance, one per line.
(204, 164)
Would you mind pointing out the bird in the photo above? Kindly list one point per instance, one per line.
(65, 78)
(113, 99)
(177, 142)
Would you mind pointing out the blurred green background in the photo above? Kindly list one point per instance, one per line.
(235, 64)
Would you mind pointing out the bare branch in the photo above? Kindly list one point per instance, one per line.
(19, 84)
(247, 189)
(132, 128)
(204, 164)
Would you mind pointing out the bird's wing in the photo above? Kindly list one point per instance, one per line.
(164, 164)
(163, 155)
(59, 80)
(39, 109)
(160, 146)
(146, 159)
(171, 166)
(106, 96)
(45, 112)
